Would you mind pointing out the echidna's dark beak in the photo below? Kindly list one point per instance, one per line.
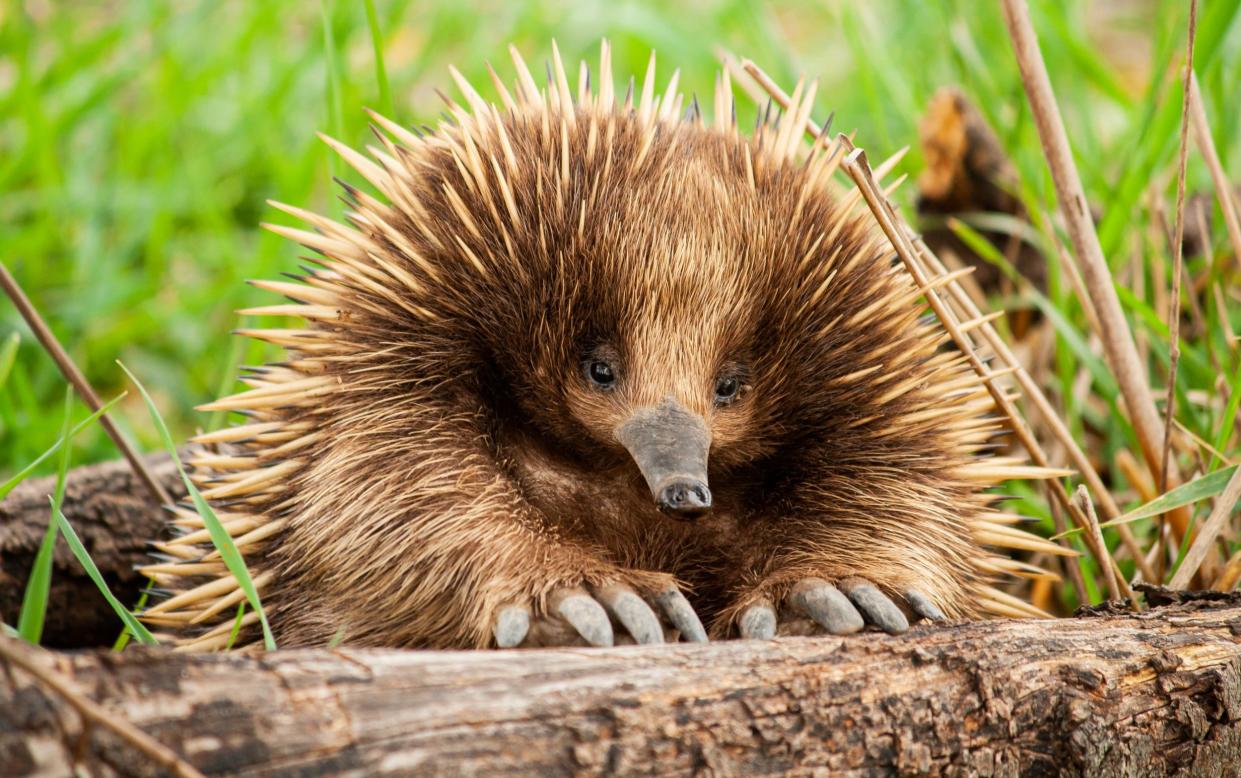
(670, 445)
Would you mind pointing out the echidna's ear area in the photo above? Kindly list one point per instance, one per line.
(486, 208)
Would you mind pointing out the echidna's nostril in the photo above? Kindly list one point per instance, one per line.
(685, 498)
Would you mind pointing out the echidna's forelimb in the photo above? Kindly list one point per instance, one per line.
(814, 605)
(922, 605)
(826, 605)
(625, 606)
(512, 625)
(875, 606)
(575, 615)
(758, 622)
(681, 614)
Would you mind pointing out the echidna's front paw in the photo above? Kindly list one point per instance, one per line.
(814, 605)
(576, 614)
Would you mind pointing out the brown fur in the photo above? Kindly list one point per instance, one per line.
(440, 453)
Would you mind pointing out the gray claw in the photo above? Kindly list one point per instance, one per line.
(879, 610)
(922, 605)
(631, 610)
(586, 616)
(512, 624)
(681, 614)
(826, 605)
(758, 621)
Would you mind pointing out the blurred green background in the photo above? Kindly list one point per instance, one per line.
(140, 140)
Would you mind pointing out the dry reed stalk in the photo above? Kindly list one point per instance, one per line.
(71, 373)
(1206, 145)
(1118, 343)
(1083, 499)
(93, 714)
(1178, 247)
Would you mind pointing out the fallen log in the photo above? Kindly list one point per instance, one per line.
(115, 517)
(1112, 694)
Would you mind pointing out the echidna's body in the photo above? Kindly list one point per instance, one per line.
(442, 444)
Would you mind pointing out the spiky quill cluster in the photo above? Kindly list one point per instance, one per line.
(394, 479)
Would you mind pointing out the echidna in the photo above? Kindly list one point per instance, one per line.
(588, 367)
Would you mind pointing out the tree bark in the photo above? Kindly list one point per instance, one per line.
(1115, 694)
(115, 516)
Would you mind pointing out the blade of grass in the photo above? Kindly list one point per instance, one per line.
(39, 582)
(79, 551)
(8, 355)
(219, 536)
(1228, 420)
(1190, 561)
(381, 71)
(21, 475)
(236, 630)
(1199, 489)
(122, 639)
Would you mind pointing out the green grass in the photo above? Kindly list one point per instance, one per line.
(140, 141)
(38, 583)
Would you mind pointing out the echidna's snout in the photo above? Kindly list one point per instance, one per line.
(670, 444)
(685, 498)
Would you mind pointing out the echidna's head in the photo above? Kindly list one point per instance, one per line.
(633, 289)
(662, 366)
(668, 322)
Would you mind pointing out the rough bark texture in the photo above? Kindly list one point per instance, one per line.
(115, 517)
(1106, 695)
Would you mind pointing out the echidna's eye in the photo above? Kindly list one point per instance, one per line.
(726, 390)
(601, 374)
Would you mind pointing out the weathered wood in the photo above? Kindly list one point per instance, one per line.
(114, 515)
(1112, 694)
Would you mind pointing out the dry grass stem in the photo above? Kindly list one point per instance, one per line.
(1083, 499)
(1178, 248)
(1210, 530)
(22, 657)
(71, 372)
(1178, 254)
(1206, 145)
(1118, 344)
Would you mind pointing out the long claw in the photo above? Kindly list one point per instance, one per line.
(587, 616)
(681, 614)
(758, 621)
(881, 611)
(826, 605)
(512, 625)
(631, 610)
(922, 605)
